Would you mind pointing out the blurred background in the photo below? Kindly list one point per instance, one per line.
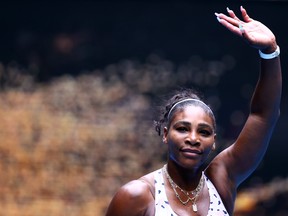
(81, 83)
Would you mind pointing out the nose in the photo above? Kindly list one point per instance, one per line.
(192, 138)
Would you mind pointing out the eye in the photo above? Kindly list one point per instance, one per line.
(205, 132)
(182, 129)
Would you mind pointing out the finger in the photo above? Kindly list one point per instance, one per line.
(232, 14)
(234, 29)
(230, 20)
(245, 16)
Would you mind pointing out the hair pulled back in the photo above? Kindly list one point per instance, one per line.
(179, 95)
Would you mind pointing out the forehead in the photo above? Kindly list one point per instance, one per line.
(192, 113)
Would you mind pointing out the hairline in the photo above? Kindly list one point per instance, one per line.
(204, 106)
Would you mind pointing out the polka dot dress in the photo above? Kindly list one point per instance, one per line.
(216, 207)
(163, 208)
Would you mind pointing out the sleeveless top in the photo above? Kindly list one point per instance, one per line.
(162, 207)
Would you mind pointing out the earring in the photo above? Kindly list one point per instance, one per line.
(213, 146)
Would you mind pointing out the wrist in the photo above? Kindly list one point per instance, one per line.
(271, 48)
(270, 54)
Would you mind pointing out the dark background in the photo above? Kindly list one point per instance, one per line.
(73, 37)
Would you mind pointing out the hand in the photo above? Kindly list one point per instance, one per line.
(253, 32)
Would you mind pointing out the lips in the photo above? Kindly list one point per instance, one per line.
(191, 151)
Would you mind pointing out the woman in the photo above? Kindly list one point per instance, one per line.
(183, 186)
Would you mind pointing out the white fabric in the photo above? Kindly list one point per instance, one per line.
(163, 208)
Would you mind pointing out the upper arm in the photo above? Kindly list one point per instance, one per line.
(243, 157)
(132, 199)
(234, 164)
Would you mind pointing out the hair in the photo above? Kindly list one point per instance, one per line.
(168, 110)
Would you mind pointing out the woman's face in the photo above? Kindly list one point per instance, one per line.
(190, 137)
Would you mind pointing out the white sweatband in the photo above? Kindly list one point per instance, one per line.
(271, 55)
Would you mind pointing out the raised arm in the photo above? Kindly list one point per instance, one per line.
(241, 158)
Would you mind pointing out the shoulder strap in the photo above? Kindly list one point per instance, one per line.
(150, 185)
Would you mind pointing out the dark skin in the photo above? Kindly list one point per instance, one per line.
(191, 136)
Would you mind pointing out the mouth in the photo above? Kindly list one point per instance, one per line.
(189, 152)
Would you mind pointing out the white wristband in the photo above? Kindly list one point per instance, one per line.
(271, 55)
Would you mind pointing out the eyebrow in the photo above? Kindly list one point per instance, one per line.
(183, 122)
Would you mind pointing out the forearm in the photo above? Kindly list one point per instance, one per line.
(265, 102)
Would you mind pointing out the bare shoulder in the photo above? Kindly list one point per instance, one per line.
(133, 198)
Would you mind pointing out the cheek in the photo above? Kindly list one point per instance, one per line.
(207, 151)
(172, 146)
(173, 151)
(208, 148)
(173, 142)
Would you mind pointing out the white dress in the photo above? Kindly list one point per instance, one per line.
(162, 207)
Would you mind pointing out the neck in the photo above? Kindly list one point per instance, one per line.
(187, 179)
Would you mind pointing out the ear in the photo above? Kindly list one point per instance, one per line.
(165, 133)
(214, 144)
